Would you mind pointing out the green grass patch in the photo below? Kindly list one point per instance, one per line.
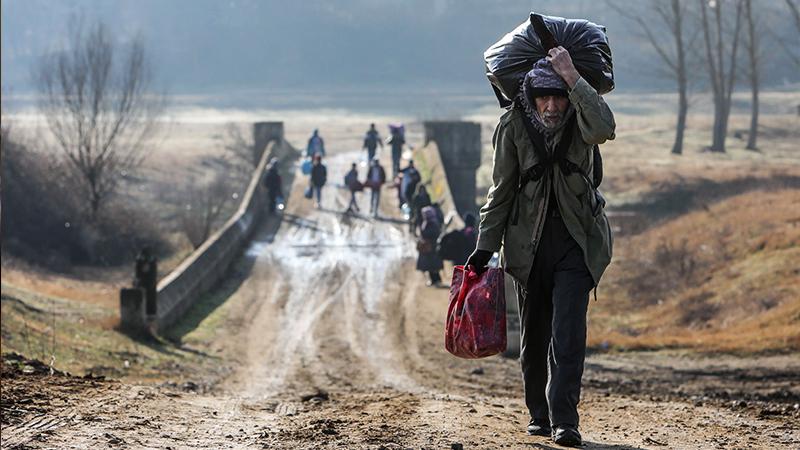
(80, 338)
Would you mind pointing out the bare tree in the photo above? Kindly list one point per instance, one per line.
(241, 149)
(203, 208)
(790, 44)
(795, 9)
(722, 79)
(673, 55)
(94, 97)
(753, 44)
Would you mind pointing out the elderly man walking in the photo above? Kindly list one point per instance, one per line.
(545, 210)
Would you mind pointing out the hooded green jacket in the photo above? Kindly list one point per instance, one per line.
(514, 154)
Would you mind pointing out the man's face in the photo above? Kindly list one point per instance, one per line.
(552, 109)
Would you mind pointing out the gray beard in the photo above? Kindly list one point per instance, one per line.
(552, 122)
(533, 115)
(539, 123)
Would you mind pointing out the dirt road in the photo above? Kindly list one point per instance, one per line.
(333, 341)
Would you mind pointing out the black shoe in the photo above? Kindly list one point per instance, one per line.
(539, 427)
(567, 435)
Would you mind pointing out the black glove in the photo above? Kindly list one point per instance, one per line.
(479, 259)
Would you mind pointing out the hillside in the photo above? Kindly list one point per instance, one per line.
(725, 277)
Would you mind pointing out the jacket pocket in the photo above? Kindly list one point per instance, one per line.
(590, 195)
(599, 202)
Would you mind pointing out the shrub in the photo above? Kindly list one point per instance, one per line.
(44, 222)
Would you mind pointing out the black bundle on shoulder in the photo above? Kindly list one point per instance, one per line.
(511, 57)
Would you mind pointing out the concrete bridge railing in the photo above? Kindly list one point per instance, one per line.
(428, 161)
(459, 146)
(198, 273)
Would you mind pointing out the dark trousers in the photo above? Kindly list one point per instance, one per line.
(353, 205)
(317, 192)
(273, 197)
(375, 200)
(396, 153)
(434, 276)
(552, 310)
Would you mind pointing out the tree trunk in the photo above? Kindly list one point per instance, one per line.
(753, 135)
(722, 87)
(681, 75)
(718, 131)
(683, 108)
(752, 47)
(723, 124)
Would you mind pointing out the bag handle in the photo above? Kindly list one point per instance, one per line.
(462, 294)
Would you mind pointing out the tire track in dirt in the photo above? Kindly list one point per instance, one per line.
(331, 324)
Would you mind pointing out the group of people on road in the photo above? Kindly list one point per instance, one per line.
(376, 174)
(376, 177)
(434, 246)
(396, 139)
(425, 217)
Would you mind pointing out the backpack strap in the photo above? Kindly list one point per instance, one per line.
(546, 160)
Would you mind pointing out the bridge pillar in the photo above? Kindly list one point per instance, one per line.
(263, 134)
(132, 310)
(459, 146)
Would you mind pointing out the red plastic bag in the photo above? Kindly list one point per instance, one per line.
(476, 318)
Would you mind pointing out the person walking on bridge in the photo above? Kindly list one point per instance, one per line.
(396, 140)
(319, 176)
(376, 177)
(371, 142)
(419, 200)
(273, 183)
(316, 145)
(545, 211)
(352, 183)
(409, 181)
(428, 259)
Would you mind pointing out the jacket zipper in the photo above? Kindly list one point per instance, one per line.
(537, 233)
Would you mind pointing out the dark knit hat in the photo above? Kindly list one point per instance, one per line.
(542, 81)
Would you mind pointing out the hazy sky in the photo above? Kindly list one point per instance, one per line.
(316, 46)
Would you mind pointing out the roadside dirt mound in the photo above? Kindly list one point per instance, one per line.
(35, 399)
(721, 278)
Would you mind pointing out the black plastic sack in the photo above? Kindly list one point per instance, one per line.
(510, 58)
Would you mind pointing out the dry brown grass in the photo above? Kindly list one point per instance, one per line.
(741, 291)
(103, 290)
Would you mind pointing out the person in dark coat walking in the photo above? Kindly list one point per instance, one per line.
(418, 201)
(428, 260)
(409, 182)
(371, 142)
(319, 176)
(396, 140)
(273, 183)
(352, 183)
(316, 145)
(376, 177)
(555, 237)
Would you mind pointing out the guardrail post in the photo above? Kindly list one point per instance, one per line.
(263, 134)
(131, 310)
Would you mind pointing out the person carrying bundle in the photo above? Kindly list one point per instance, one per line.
(545, 211)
